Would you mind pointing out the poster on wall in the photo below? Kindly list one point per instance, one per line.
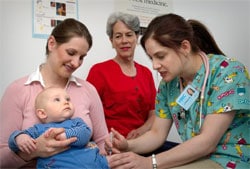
(146, 10)
(48, 13)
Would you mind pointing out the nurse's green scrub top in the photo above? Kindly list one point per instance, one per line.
(227, 89)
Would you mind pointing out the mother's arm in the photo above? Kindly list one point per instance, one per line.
(47, 145)
(100, 131)
(12, 118)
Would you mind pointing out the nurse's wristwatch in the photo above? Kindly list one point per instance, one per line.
(154, 163)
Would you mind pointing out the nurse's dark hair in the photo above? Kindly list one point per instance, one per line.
(170, 30)
(68, 29)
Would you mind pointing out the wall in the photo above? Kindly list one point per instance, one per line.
(228, 20)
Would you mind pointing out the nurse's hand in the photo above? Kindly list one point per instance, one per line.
(117, 144)
(129, 160)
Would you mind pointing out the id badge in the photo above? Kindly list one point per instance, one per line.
(187, 97)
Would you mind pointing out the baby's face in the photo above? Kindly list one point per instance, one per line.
(58, 106)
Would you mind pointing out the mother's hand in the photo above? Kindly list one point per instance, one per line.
(47, 144)
(129, 160)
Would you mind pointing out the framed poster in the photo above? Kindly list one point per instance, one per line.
(48, 13)
(146, 10)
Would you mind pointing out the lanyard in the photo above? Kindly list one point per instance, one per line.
(207, 69)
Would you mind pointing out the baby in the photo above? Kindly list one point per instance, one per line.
(55, 109)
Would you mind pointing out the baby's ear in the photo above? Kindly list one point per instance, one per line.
(41, 114)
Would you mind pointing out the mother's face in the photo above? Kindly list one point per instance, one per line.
(65, 58)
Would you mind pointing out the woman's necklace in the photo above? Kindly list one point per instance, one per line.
(46, 82)
(183, 84)
(127, 68)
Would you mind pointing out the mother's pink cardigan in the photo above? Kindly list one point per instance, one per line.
(17, 113)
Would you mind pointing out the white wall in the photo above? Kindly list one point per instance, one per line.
(20, 54)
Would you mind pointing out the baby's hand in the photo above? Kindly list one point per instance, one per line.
(25, 143)
(61, 136)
